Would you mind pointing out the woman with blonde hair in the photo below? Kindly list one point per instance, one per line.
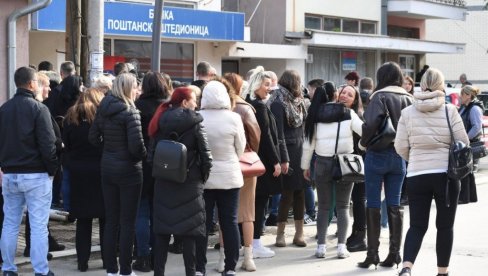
(83, 161)
(117, 127)
(423, 135)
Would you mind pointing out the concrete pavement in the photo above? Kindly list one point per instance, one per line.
(469, 257)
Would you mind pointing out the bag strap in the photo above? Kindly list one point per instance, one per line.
(337, 137)
(449, 125)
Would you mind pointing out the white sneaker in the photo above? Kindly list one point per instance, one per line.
(308, 221)
(262, 252)
(198, 273)
(230, 272)
(320, 252)
(132, 274)
(112, 274)
(342, 252)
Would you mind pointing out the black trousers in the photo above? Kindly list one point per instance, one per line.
(121, 203)
(161, 254)
(421, 189)
(260, 203)
(84, 238)
(358, 197)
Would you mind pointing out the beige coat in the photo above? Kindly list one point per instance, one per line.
(423, 137)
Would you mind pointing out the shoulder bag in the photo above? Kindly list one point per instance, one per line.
(251, 164)
(348, 167)
(460, 157)
(386, 132)
(170, 160)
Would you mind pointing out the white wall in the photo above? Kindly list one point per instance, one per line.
(473, 32)
(43, 46)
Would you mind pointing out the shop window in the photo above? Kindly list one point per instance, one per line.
(368, 28)
(107, 47)
(350, 26)
(312, 22)
(176, 58)
(332, 24)
(407, 63)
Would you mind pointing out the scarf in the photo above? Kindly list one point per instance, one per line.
(294, 106)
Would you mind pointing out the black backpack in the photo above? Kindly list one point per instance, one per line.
(170, 159)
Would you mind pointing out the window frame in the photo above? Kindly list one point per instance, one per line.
(360, 22)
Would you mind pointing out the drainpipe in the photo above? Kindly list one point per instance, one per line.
(12, 37)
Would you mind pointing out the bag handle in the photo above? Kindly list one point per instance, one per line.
(449, 125)
(337, 137)
(356, 160)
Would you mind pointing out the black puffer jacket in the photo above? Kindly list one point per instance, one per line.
(391, 98)
(179, 208)
(118, 127)
(147, 104)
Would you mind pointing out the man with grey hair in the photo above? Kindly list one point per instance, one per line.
(204, 73)
(464, 80)
(67, 69)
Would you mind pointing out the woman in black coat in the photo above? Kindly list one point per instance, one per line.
(270, 183)
(117, 127)
(83, 161)
(154, 93)
(179, 208)
(288, 107)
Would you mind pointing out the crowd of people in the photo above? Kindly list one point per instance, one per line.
(92, 149)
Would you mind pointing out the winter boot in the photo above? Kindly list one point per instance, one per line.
(248, 263)
(280, 235)
(298, 240)
(395, 222)
(373, 218)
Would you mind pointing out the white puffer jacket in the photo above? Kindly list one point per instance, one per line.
(324, 140)
(225, 133)
(423, 137)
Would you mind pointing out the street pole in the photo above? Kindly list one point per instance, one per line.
(156, 36)
(73, 32)
(95, 39)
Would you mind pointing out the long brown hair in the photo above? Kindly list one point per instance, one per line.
(291, 81)
(85, 107)
(230, 90)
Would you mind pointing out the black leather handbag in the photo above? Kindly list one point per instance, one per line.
(460, 157)
(479, 149)
(386, 133)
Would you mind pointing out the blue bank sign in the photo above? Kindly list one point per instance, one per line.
(131, 19)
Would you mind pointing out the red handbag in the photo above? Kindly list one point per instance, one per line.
(251, 165)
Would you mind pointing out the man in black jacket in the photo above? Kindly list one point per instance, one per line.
(28, 159)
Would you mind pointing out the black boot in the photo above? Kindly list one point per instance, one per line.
(352, 237)
(395, 224)
(358, 243)
(142, 264)
(53, 244)
(373, 218)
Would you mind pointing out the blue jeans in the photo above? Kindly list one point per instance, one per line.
(227, 202)
(309, 201)
(383, 167)
(66, 190)
(35, 190)
(384, 215)
(275, 203)
(143, 228)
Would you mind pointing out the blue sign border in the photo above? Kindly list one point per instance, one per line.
(134, 19)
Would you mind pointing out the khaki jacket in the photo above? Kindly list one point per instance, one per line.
(423, 138)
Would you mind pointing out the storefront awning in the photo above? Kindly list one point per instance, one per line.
(378, 42)
(134, 19)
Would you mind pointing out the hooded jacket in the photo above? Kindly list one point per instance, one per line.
(117, 127)
(423, 138)
(226, 137)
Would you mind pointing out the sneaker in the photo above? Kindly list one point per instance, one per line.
(198, 273)
(10, 273)
(228, 273)
(308, 220)
(262, 252)
(290, 213)
(342, 252)
(131, 274)
(112, 274)
(320, 252)
(50, 273)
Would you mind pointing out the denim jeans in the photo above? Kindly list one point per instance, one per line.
(143, 228)
(227, 202)
(384, 214)
(309, 201)
(275, 204)
(35, 190)
(383, 167)
(66, 190)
